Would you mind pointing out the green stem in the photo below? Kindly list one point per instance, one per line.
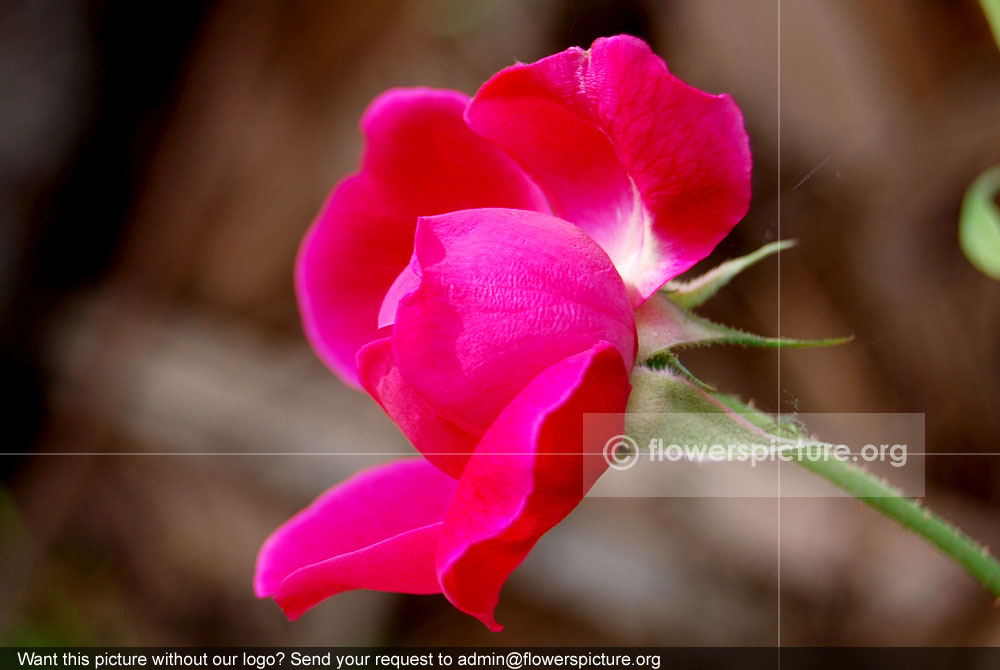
(878, 495)
(663, 403)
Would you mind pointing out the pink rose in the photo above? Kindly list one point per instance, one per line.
(478, 277)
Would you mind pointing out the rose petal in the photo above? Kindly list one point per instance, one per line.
(527, 474)
(376, 530)
(405, 283)
(656, 171)
(400, 564)
(420, 159)
(443, 443)
(503, 295)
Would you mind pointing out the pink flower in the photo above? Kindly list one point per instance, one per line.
(478, 277)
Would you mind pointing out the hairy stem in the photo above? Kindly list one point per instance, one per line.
(908, 513)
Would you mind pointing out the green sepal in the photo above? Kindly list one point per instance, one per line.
(664, 326)
(666, 360)
(666, 404)
(667, 401)
(695, 292)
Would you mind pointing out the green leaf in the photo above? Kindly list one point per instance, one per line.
(979, 223)
(991, 8)
(663, 326)
(698, 290)
(666, 406)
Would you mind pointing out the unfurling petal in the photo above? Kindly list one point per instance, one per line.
(527, 474)
(420, 159)
(656, 171)
(503, 295)
(377, 530)
(440, 441)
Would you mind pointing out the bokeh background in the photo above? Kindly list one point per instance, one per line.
(159, 165)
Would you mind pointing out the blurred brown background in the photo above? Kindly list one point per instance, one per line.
(160, 165)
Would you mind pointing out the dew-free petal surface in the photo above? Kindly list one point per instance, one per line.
(503, 295)
(527, 474)
(656, 171)
(441, 442)
(375, 530)
(420, 159)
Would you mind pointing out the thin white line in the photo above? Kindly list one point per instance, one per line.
(813, 172)
(779, 326)
(215, 453)
(289, 453)
(413, 454)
